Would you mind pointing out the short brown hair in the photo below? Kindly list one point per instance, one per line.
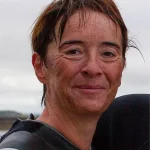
(44, 30)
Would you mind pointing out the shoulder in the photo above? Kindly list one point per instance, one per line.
(21, 140)
(9, 149)
(21, 136)
(26, 135)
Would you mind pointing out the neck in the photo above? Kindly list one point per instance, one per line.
(80, 128)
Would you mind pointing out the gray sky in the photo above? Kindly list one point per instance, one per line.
(19, 88)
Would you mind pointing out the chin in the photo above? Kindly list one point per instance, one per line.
(92, 107)
(90, 104)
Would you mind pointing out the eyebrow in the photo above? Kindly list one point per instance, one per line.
(112, 44)
(70, 42)
(107, 43)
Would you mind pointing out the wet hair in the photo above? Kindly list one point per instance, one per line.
(43, 32)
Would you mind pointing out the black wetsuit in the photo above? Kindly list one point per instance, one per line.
(125, 125)
(33, 135)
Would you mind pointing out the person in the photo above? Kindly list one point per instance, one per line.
(125, 125)
(79, 49)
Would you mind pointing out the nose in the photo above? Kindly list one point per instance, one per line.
(92, 67)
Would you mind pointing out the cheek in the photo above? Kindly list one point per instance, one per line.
(114, 74)
(65, 70)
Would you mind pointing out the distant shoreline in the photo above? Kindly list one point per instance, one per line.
(7, 118)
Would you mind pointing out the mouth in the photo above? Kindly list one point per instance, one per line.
(89, 89)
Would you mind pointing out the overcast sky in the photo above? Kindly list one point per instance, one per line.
(19, 88)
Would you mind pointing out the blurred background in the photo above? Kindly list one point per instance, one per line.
(20, 91)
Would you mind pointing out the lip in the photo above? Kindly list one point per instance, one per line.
(89, 89)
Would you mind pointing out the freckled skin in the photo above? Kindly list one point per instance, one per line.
(86, 66)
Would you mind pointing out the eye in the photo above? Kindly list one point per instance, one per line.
(73, 52)
(109, 54)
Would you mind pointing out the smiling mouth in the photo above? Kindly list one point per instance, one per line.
(90, 88)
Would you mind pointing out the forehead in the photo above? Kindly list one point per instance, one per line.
(90, 20)
(83, 17)
(91, 25)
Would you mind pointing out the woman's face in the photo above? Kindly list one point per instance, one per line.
(84, 69)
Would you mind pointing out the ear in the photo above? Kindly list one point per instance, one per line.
(39, 67)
